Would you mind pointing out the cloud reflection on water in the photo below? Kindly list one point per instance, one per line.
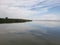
(33, 33)
(47, 23)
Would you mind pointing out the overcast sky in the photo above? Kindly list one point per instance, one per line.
(30, 9)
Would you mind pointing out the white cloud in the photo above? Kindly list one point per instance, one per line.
(22, 8)
(16, 12)
(47, 17)
(19, 2)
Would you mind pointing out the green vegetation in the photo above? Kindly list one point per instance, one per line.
(7, 20)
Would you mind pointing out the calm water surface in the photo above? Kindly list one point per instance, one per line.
(30, 33)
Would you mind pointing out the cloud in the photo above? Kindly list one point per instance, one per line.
(19, 2)
(26, 8)
(46, 4)
(47, 17)
(16, 12)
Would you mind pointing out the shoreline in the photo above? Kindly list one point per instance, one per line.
(7, 20)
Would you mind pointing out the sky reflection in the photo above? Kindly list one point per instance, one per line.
(33, 33)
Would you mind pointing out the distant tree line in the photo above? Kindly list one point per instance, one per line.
(7, 20)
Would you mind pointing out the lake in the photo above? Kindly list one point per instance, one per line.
(30, 33)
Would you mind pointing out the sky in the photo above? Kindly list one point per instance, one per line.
(30, 9)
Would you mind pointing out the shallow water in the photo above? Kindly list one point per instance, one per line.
(30, 33)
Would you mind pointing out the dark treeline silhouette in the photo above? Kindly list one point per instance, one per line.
(9, 20)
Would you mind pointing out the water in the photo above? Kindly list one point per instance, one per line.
(30, 33)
